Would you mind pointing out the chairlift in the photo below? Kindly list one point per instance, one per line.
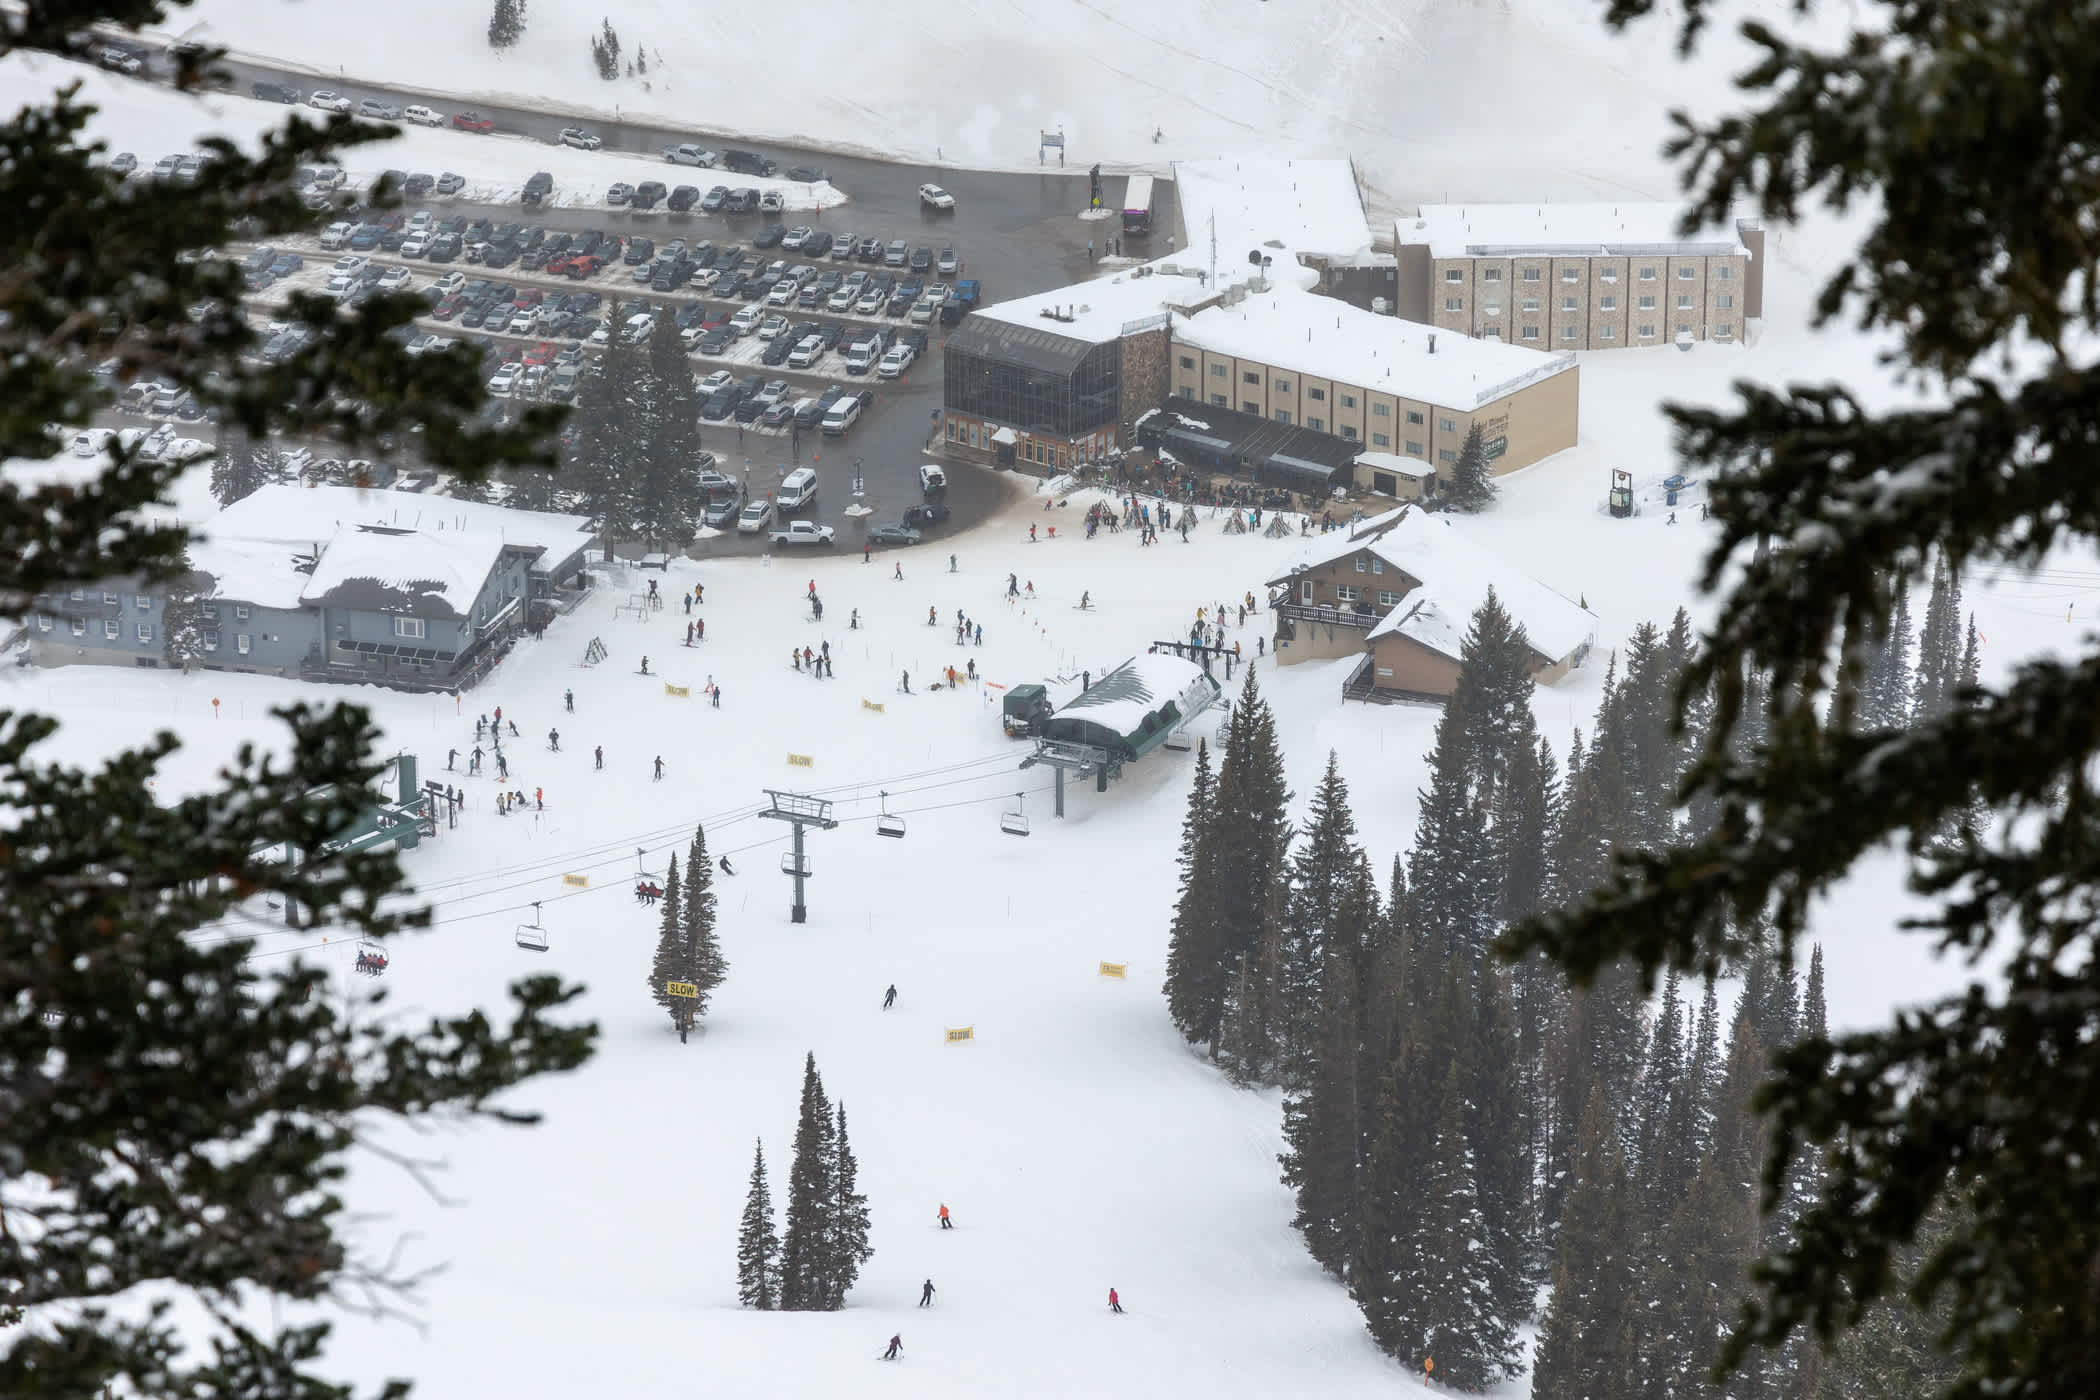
(371, 958)
(787, 865)
(887, 825)
(1015, 823)
(1178, 740)
(531, 937)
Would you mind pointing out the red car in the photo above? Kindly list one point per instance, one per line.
(448, 308)
(577, 265)
(473, 121)
(540, 354)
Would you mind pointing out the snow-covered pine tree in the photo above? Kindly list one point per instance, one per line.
(758, 1242)
(1939, 645)
(1497, 1119)
(1579, 1354)
(706, 968)
(671, 964)
(1197, 973)
(1646, 1115)
(1323, 874)
(605, 52)
(238, 468)
(506, 24)
(594, 465)
(182, 621)
(805, 1258)
(846, 1245)
(1886, 697)
(1323, 1117)
(1472, 486)
(667, 486)
(1243, 1032)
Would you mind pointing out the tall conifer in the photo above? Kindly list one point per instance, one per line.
(671, 963)
(805, 1257)
(758, 1243)
(1321, 1121)
(1595, 1270)
(1197, 972)
(706, 968)
(846, 1245)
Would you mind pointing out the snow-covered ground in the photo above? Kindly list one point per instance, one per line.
(1078, 1143)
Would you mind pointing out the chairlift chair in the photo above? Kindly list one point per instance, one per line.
(887, 825)
(787, 865)
(531, 937)
(1179, 741)
(371, 958)
(1015, 823)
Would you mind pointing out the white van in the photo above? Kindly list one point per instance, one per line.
(842, 414)
(798, 489)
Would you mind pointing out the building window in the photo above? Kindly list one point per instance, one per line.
(1567, 303)
(1447, 455)
(1363, 565)
(1381, 410)
(1413, 416)
(1610, 274)
(1569, 274)
(1645, 303)
(1608, 333)
(145, 631)
(43, 622)
(242, 643)
(1250, 377)
(211, 640)
(1378, 566)
(1684, 303)
(1454, 304)
(1452, 274)
(1188, 361)
(1447, 425)
(1414, 449)
(1381, 440)
(80, 595)
(1686, 274)
(1647, 274)
(1567, 332)
(1725, 273)
(110, 629)
(109, 598)
(1724, 331)
(1529, 333)
(1493, 274)
(1348, 433)
(1491, 308)
(408, 627)
(1531, 274)
(1683, 329)
(1283, 416)
(1609, 304)
(1219, 400)
(1217, 371)
(240, 612)
(1318, 425)
(1724, 301)
(1316, 395)
(1345, 594)
(80, 627)
(1250, 406)
(1648, 332)
(1348, 401)
(1283, 386)
(1188, 391)
(1531, 306)
(142, 601)
(1388, 599)
(1305, 590)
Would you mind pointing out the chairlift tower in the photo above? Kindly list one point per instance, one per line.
(802, 812)
(1063, 756)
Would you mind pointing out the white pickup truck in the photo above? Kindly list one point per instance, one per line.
(804, 532)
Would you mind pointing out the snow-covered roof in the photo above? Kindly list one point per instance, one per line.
(1571, 230)
(1412, 467)
(409, 572)
(1105, 308)
(1126, 705)
(313, 514)
(1291, 328)
(1309, 206)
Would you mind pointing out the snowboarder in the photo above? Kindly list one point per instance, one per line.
(599, 754)
(926, 1295)
(946, 1223)
(1013, 585)
(1115, 1304)
(659, 769)
(980, 634)
(896, 1345)
(568, 700)
(554, 740)
(889, 999)
(724, 863)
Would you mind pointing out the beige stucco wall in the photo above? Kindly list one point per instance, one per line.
(1398, 663)
(1491, 295)
(1316, 641)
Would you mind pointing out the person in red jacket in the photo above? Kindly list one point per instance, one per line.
(1115, 1304)
(944, 1219)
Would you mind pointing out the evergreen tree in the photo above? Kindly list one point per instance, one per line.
(182, 621)
(1660, 1078)
(506, 24)
(1497, 1122)
(605, 52)
(1451, 869)
(666, 488)
(239, 468)
(705, 967)
(1323, 874)
(1472, 486)
(672, 961)
(806, 1261)
(846, 1245)
(758, 1243)
(1197, 972)
(1321, 1119)
(1595, 1270)
(1939, 645)
(1886, 699)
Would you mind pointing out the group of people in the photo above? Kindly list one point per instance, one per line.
(372, 964)
(647, 892)
(817, 663)
(508, 802)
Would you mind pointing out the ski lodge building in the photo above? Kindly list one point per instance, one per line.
(1399, 590)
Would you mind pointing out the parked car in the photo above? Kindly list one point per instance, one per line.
(576, 138)
(472, 121)
(934, 197)
(683, 198)
(894, 362)
(689, 154)
(617, 195)
(841, 416)
(449, 183)
(772, 327)
(755, 516)
(648, 194)
(805, 174)
(722, 512)
(894, 534)
(807, 352)
(804, 532)
(505, 379)
(276, 92)
(118, 60)
(770, 202)
(422, 116)
(715, 200)
(747, 163)
(379, 110)
(946, 263)
(329, 101)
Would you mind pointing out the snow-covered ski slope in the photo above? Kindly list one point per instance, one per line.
(1465, 99)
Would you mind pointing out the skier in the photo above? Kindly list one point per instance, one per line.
(980, 634)
(502, 768)
(474, 760)
(896, 1345)
(899, 575)
(1085, 600)
(889, 999)
(714, 697)
(1031, 534)
(599, 753)
(853, 622)
(645, 665)
(946, 1223)
(700, 629)
(1115, 1304)
(724, 863)
(1013, 586)
(689, 634)
(688, 605)
(951, 563)
(513, 729)
(931, 619)
(568, 700)
(926, 1295)
(904, 684)
(539, 799)
(659, 769)
(554, 740)
(451, 756)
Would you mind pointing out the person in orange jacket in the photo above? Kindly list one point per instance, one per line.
(946, 1224)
